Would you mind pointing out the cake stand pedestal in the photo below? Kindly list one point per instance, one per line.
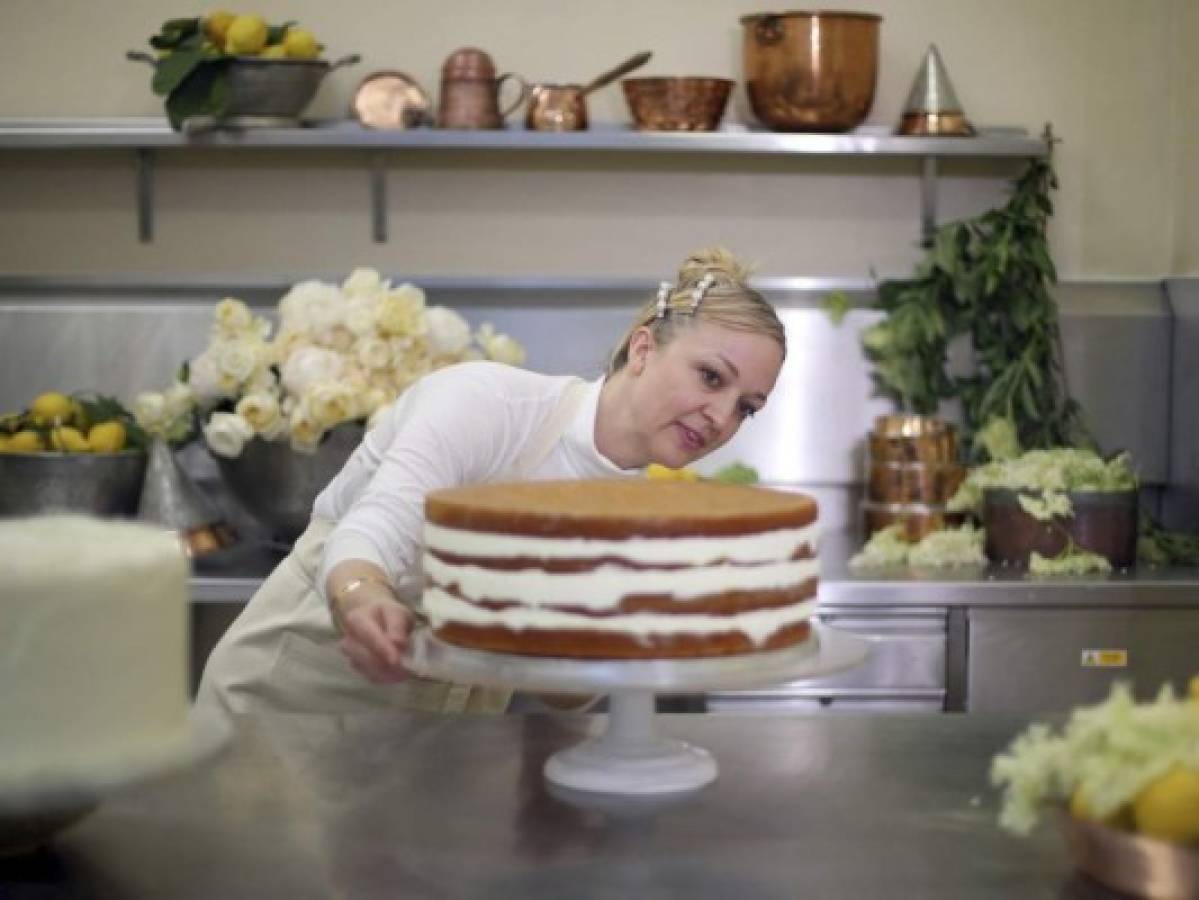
(629, 757)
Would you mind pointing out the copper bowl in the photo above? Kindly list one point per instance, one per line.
(677, 103)
(916, 520)
(811, 70)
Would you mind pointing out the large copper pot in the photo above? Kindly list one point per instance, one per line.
(811, 71)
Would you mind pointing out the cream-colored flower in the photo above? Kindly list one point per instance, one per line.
(402, 312)
(372, 398)
(309, 365)
(288, 342)
(262, 412)
(180, 400)
(364, 281)
(449, 333)
(232, 318)
(263, 381)
(304, 433)
(227, 433)
(373, 353)
(499, 347)
(311, 306)
(329, 403)
(362, 313)
(204, 377)
(238, 359)
(150, 411)
(354, 377)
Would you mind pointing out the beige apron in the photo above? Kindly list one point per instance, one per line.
(281, 653)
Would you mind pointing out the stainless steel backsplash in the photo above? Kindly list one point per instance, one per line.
(1128, 349)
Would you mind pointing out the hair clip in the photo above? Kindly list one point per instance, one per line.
(697, 293)
(663, 295)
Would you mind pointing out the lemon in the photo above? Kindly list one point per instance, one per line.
(69, 440)
(107, 437)
(1169, 807)
(26, 442)
(301, 44)
(4, 440)
(1193, 688)
(659, 472)
(216, 25)
(274, 51)
(51, 408)
(1080, 808)
(246, 36)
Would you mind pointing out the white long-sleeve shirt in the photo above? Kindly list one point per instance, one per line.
(464, 424)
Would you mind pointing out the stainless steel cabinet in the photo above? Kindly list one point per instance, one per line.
(905, 671)
(1046, 660)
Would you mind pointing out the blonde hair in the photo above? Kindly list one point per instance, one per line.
(726, 300)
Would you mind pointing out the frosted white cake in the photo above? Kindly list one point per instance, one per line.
(93, 651)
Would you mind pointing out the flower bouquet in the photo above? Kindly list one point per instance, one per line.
(337, 357)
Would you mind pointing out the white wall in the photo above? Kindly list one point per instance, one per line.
(1113, 76)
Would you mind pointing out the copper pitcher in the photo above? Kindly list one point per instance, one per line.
(470, 91)
(563, 107)
(811, 71)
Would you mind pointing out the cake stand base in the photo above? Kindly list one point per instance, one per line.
(629, 758)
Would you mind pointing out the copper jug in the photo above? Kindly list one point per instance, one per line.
(470, 91)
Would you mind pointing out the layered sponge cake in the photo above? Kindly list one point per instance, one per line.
(620, 569)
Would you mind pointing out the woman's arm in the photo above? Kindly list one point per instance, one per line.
(374, 625)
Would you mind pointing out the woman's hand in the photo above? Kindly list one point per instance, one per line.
(374, 637)
(374, 626)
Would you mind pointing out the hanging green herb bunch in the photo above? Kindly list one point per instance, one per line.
(987, 277)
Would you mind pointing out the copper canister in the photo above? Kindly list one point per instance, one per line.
(915, 520)
(914, 482)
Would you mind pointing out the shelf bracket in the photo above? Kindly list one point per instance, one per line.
(928, 200)
(379, 197)
(145, 195)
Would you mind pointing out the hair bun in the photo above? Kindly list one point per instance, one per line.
(715, 260)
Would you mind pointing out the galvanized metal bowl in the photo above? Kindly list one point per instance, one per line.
(277, 485)
(273, 88)
(102, 484)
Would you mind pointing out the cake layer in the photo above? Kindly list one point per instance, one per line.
(618, 508)
(587, 644)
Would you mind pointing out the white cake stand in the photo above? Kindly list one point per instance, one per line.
(629, 757)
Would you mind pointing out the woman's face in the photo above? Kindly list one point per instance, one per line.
(691, 395)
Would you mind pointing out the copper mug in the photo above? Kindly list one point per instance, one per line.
(563, 107)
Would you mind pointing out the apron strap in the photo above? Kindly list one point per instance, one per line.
(550, 433)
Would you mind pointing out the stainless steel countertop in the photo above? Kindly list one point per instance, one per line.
(237, 577)
(443, 807)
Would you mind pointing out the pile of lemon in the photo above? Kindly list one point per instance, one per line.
(58, 423)
(250, 35)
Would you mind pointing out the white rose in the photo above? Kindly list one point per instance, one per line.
(232, 317)
(372, 398)
(150, 411)
(286, 343)
(309, 365)
(364, 282)
(204, 376)
(263, 381)
(330, 402)
(261, 411)
(449, 333)
(179, 400)
(338, 338)
(402, 312)
(500, 348)
(373, 353)
(237, 360)
(312, 306)
(361, 314)
(227, 433)
(303, 430)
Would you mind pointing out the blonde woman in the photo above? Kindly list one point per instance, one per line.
(327, 630)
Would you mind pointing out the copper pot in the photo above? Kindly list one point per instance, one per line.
(1104, 522)
(811, 71)
(563, 107)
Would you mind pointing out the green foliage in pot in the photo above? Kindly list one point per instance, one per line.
(987, 278)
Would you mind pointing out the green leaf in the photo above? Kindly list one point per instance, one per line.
(205, 92)
(172, 71)
(276, 33)
(836, 304)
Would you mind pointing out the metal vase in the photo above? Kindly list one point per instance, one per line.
(171, 499)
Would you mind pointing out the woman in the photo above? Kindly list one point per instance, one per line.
(327, 630)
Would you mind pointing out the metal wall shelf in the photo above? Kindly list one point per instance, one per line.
(148, 135)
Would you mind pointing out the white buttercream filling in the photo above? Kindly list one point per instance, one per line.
(758, 624)
(764, 546)
(605, 586)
